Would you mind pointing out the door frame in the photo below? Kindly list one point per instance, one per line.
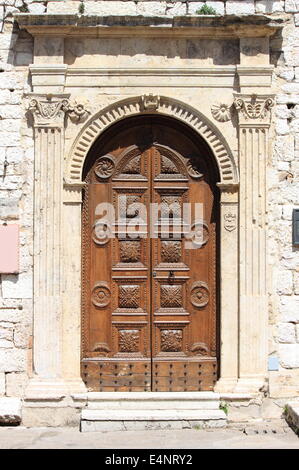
(228, 185)
(243, 299)
(89, 367)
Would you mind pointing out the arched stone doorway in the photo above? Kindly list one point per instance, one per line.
(150, 296)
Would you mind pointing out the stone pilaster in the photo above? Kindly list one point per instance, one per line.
(48, 113)
(254, 121)
(229, 287)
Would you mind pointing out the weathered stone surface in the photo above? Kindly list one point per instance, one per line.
(2, 384)
(289, 355)
(13, 360)
(112, 7)
(269, 6)
(36, 8)
(151, 8)
(240, 7)
(290, 308)
(9, 208)
(51, 416)
(16, 383)
(292, 416)
(17, 286)
(10, 411)
(292, 6)
(286, 333)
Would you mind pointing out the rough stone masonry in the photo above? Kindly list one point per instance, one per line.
(17, 182)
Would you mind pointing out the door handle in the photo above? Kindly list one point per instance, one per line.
(171, 276)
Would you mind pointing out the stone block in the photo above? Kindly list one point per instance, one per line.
(240, 7)
(10, 111)
(176, 9)
(292, 6)
(112, 7)
(287, 73)
(21, 336)
(16, 383)
(292, 416)
(17, 286)
(297, 333)
(2, 384)
(296, 283)
(13, 360)
(11, 80)
(64, 7)
(50, 416)
(283, 383)
(282, 127)
(36, 8)
(287, 212)
(268, 6)
(286, 333)
(9, 208)
(284, 282)
(151, 8)
(10, 411)
(289, 355)
(289, 308)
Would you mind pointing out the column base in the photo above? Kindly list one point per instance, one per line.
(254, 385)
(225, 384)
(54, 388)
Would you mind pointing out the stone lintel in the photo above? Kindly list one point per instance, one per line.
(186, 26)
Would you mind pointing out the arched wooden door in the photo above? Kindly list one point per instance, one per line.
(149, 298)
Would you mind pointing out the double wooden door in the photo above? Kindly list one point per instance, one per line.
(149, 264)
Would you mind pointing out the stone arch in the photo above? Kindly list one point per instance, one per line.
(149, 104)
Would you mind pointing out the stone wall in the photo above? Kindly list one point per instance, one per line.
(16, 177)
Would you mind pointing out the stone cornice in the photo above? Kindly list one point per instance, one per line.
(71, 25)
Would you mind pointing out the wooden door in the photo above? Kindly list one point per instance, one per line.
(149, 291)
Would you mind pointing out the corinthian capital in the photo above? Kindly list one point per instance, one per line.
(48, 110)
(254, 110)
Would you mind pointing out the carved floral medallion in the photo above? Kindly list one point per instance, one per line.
(171, 340)
(128, 341)
(200, 294)
(104, 167)
(101, 294)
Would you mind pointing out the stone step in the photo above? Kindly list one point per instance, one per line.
(153, 400)
(10, 411)
(120, 420)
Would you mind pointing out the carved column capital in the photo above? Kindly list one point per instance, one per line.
(49, 110)
(254, 110)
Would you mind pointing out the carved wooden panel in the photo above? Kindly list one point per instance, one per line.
(149, 303)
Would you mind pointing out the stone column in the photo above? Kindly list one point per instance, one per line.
(229, 288)
(254, 121)
(48, 113)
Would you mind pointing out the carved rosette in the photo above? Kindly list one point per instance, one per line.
(199, 234)
(255, 109)
(200, 294)
(104, 167)
(101, 232)
(101, 295)
(171, 296)
(221, 112)
(171, 251)
(171, 340)
(128, 341)
(129, 296)
(130, 251)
